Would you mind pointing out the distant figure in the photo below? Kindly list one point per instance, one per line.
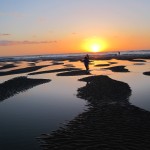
(119, 53)
(86, 62)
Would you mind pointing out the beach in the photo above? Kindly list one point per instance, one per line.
(53, 103)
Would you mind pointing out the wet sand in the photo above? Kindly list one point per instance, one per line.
(69, 65)
(57, 63)
(137, 60)
(74, 73)
(53, 71)
(22, 70)
(147, 73)
(102, 65)
(112, 63)
(139, 64)
(19, 84)
(7, 66)
(118, 69)
(109, 123)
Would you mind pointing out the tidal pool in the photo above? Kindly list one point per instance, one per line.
(49, 106)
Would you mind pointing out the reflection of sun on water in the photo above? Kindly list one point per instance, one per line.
(94, 45)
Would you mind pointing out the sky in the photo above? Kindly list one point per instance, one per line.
(33, 27)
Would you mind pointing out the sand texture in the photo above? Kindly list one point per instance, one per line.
(101, 65)
(74, 73)
(7, 66)
(19, 84)
(110, 123)
(118, 69)
(22, 70)
(147, 73)
(53, 71)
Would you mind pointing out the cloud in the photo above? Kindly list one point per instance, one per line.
(4, 34)
(10, 43)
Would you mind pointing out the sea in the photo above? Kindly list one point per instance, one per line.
(70, 55)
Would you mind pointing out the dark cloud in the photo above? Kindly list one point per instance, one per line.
(9, 43)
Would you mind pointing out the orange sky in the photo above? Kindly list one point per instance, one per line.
(77, 45)
(66, 26)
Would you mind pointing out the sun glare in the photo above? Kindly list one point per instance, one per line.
(94, 45)
(95, 48)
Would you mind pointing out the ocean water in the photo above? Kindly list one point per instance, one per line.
(70, 55)
(49, 106)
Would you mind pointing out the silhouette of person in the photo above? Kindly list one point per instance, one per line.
(86, 62)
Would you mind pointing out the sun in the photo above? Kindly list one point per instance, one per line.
(94, 45)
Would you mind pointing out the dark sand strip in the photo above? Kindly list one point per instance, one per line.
(69, 65)
(101, 65)
(31, 64)
(57, 63)
(7, 66)
(53, 71)
(147, 73)
(139, 64)
(74, 73)
(137, 60)
(22, 70)
(19, 84)
(112, 63)
(74, 59)
(118, 69)
(110, 123)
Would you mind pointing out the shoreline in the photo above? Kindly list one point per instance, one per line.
(125, 55)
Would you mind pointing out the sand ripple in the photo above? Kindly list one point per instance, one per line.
(19, 84)
(110, 123)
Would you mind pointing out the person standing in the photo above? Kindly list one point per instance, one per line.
(86, 63)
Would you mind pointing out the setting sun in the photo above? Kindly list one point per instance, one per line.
(94, 45)
(95, 48)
